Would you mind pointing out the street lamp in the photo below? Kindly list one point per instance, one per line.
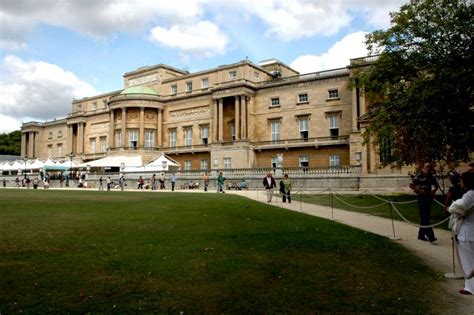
(68, 174)
(25, 160)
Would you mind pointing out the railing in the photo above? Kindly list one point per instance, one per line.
(114, 149)
(186, 148)
(309, 76)
(303, 141)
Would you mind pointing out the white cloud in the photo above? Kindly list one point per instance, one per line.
(201, 38)
(9, 124)
(351, 46)
(38, 90)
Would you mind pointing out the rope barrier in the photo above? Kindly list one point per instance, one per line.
(359, 207)
(417, 225)
(395, 202)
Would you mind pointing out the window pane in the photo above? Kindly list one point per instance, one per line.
(276, 130)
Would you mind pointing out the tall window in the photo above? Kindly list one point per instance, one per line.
(304, 161)
(189, 86)
(334, 93)
(172, 137)
(204, 83)
(227, 163)
(385, 150)
(94, 105)
(303, 98)
(133, 138)
(118, 138)
(334, 125)
(275, 131)
(232, 75)
(149, 139)
(334, 160)
(174, 89)
(187, 165)
(232, 131)
(304, 124)
(204, 134)
(92, 145)
(188, 136)
(60, 150)
(60, 133)
(103, 144)
(204, 164)
(50, 150)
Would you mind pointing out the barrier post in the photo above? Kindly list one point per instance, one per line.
(301, 205)
(331, 195)
(453, 275)
(394, 237)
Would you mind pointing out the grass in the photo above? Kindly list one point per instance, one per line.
(369, 204)
(84, 251)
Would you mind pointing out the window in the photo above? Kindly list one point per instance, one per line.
(385, 150)
(204, 83)
(60, 134)
(275, 131)
(275, 101)
(118, 138)
(149, 139)
(187, 165)
(92, 145)
(50, 150)
(133, 138)
(303, 98)
(174, 89)
(304, 124)
(334, 160)
(204, 164)
(172, 136)
(256, 75)
(303, 161)
(334, 125)
(227, 163)
(50, 135)
(103, 144)
(188, 136)
(232, 75)
(94, 105)
(60, 150)
(232, 131)
(204, 134)
(189, 86)
(334, 93)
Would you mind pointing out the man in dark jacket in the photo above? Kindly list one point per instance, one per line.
(269, 183)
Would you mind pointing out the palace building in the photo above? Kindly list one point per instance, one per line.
(240, 115)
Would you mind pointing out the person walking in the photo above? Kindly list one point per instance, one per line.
(153, 182)
(101, 183)
(162, 181)
(462, 224)
(425, 186)
(285, 189)
(269, 184)
(140, 183)
(205, 180)
(109, 183)
(220, 183)
(173, 181)
(122, 183)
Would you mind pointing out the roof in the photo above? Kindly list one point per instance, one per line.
(114, 161)
(139, 90)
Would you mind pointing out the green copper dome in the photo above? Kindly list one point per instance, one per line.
(139, 90)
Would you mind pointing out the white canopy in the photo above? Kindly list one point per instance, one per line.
(115, 161)
(160, 164)
(35, 164)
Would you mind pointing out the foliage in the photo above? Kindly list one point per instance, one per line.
(132, 252)
(421, 83)
(10, 143)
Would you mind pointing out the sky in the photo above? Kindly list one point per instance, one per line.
(52, 51)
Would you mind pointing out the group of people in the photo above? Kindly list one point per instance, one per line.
(460, 204)
(269, 184)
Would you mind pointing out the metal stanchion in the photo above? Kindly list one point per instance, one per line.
(331, 195)
(301, 203)
(453, 275)
(394, 237)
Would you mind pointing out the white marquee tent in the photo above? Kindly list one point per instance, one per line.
(160, 164)
(114, 161)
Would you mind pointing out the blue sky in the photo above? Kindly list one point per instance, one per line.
(52, 51)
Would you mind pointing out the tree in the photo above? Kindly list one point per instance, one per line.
(10, 143)
(421, 85)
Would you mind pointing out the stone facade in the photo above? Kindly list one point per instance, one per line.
(240, 115)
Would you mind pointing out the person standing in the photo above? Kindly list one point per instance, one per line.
(205, 180)
(269, 183)
(140, 183)
(425, 186)
(286, 189)
(122, 182)
(162, 181)
(17, 181)
(462, 224)
(455, 192)
(153, 182)
(220, 183)
(101, 183)
(109, 183)
(173, 181)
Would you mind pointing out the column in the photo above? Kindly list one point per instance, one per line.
(124, 126)
(244, 116)
(23, 144)
(80, 138)
(214, 120)
(31, 143)
(159, 129)
(70, 142)
(221, 120)
(141, 139)
(249, 106)
(111, 129)
(237, 117)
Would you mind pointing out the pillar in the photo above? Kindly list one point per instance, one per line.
(80, 138)
(31, 143)
(111, 129)
(221, 120)
(159, 129)
(237, 117)
(124, 126)
(23, 145)
(141, 139)
(244, 116)
(69, 148)
(214, 121)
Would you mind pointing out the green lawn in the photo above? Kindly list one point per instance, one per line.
(369, 204)
(84, 251)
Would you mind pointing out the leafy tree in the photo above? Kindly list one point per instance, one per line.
(421, 85)
(10, 143)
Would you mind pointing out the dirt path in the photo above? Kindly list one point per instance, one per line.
(438, 255)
